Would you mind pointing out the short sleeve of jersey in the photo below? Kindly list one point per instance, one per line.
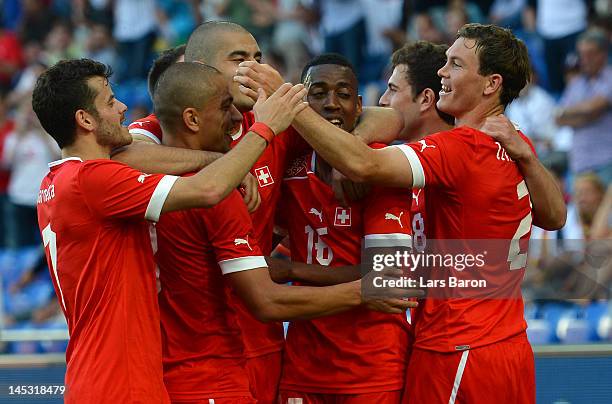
(148, 126)
(114, 190)
(231, 234)
(386, 218)
(436, 160)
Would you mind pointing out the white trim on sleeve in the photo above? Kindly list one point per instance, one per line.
(144, 132)
(242, 264)
(156, 203)
(418, 174)
(387, 240)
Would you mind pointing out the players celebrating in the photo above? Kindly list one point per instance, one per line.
(215, 285)
(93, 221)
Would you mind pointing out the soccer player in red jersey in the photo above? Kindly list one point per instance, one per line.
(479, 193)
(199, 249)
(92, 213)
(224, 46)
(358, 356)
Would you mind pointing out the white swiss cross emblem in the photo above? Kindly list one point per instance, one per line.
(263, 176)
(342, 216)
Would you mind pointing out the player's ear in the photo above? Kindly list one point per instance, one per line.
(85, 120)
(493, 83)
(191, 119)
(427, 99)
(359, 105)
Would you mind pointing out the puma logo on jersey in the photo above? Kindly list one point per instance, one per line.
(416, 197)
(142, 177)
(391, 216)
(317, 214)
(424, 145)
(139, 123)
(239, 241)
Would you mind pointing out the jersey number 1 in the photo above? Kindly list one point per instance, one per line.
(50, 240)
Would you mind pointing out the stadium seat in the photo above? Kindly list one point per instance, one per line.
(595, 313)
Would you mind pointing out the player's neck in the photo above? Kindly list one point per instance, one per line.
(434, 126)
(476, 117)
(176, 140)
(86, 151)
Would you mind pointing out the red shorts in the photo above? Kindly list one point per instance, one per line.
(224, 400)
(295, 397)
(499, 373)
(264, 376)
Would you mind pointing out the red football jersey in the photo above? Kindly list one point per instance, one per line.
(260, 338)
(474, 191)
(358, 351)
(91, 215)
(200, 332)
(147, 126)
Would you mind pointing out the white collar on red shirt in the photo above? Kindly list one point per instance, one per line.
(62, 161)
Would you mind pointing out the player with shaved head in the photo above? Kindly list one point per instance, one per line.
(201, 252)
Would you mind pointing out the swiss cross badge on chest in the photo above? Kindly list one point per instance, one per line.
(264, 177)
(342, 218)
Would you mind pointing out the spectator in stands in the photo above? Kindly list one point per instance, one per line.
(534, 111)
(58, 43)
(35, 22)
(588, 195)
(135, 32)
(507, 13)
(27, 151)
(343, 27)
(291, 36)
(455, 18)
(11, 58)
(380, 17)
(586, 106)
(6, 127)
(559, 27)
(99, 46)
(33, 53)
(177, 18)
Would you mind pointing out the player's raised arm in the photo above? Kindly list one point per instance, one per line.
(350, 155)
(549, 210)
(213, 183)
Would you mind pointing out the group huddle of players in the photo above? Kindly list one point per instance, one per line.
(189, 309)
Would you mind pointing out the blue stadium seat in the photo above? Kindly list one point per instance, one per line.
(594, 314)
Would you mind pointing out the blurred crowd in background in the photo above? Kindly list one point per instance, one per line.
(566, 109)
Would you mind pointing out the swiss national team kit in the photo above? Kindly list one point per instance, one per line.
(466, 188)
(92, 219)
(460, 340)
(357, 356)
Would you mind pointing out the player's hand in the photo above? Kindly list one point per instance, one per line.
(280, 269)
(346, 190)
(503, 131)
(249, 188)
(278, 110)
(253, 75)
(392, 306)
(383, 286)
